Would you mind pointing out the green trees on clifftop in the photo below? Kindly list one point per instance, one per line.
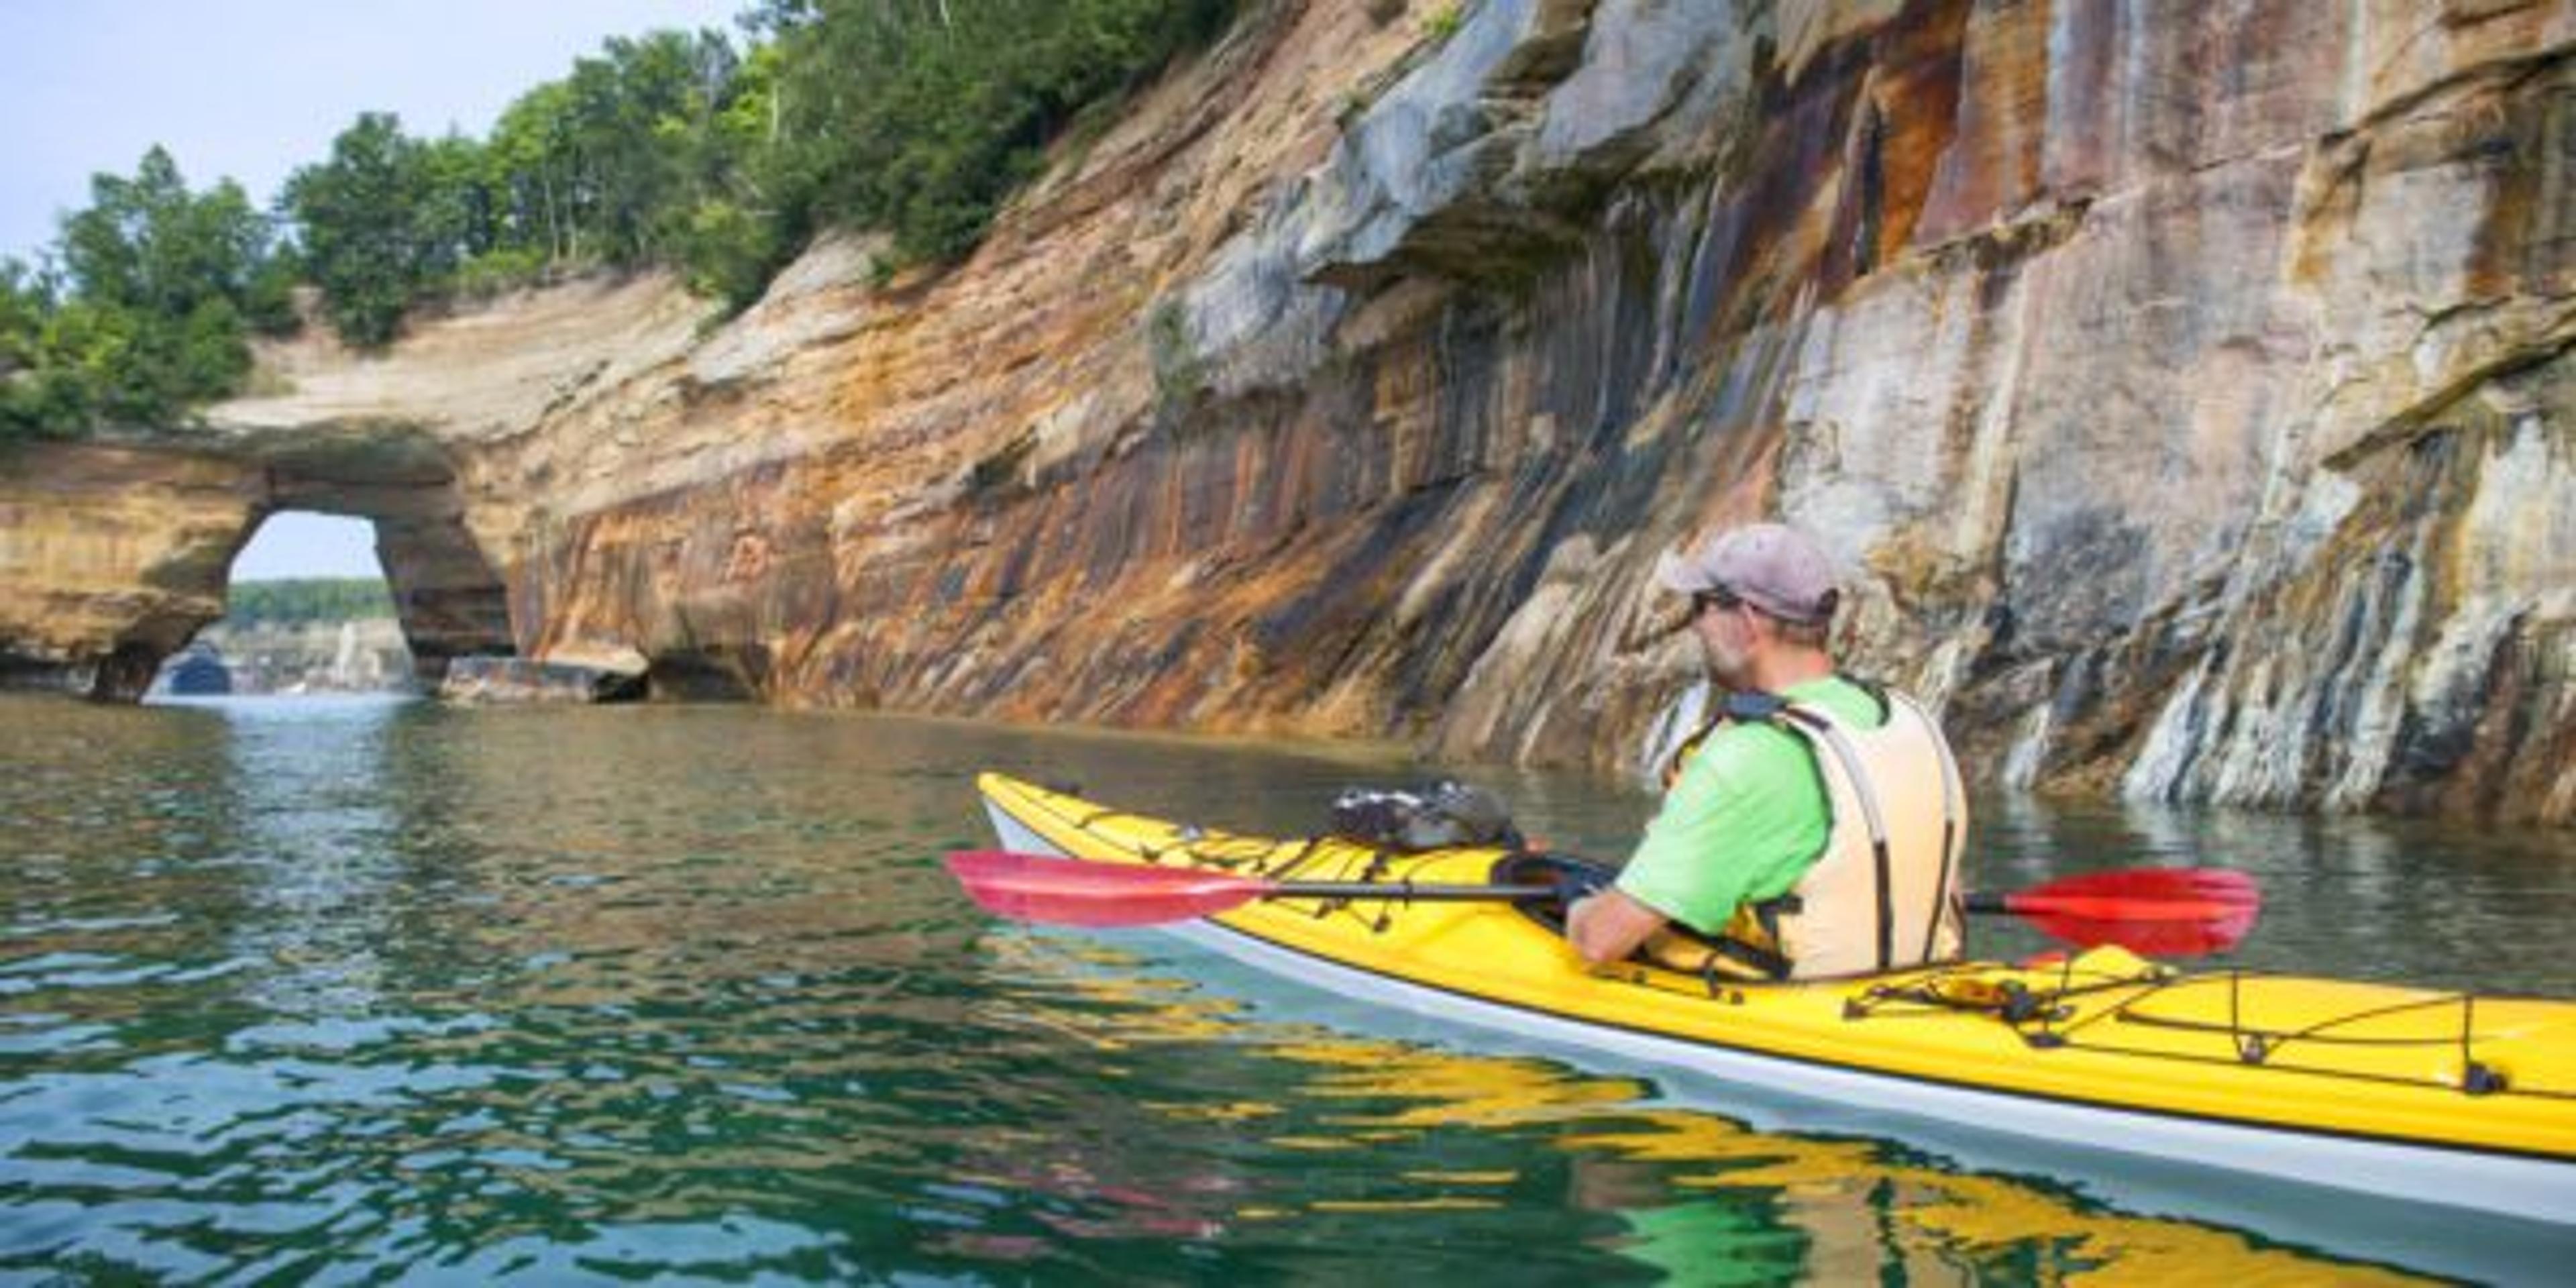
(921, 119)
(610, 167)
(917, 118)
(145, 310)
(300, 600)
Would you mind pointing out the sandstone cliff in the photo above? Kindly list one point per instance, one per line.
(2187, 388)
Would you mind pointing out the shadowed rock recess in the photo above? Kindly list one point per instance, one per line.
(2187, 388)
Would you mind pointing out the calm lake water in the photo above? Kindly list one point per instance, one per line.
(333, 990)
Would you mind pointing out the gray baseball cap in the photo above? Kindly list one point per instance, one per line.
(1772, 566)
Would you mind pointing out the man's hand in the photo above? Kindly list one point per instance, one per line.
(1608, 926)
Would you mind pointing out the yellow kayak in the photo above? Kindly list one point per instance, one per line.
(2439, 1097)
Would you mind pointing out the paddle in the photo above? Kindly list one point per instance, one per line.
(1070, 892)
(2166, 912)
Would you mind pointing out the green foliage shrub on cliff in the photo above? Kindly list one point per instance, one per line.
(26, 302)
(369, 218)
(297, 601)
(921, 121)
(1444, 23)
(147, 311)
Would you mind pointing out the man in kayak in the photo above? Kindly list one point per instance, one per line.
(1813, 827)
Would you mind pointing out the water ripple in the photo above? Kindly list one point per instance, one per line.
(403, 993)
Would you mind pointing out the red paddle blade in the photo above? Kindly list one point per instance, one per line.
(2185, 936)
(2160, 912)
(2207, 885)
(1070, 892)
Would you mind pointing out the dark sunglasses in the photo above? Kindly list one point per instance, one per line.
(1719, 598)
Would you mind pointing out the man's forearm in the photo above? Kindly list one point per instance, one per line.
(1608, 926)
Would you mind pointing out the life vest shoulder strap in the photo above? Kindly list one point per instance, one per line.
(1751, 706)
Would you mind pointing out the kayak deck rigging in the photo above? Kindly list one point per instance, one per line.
(2071, 1014)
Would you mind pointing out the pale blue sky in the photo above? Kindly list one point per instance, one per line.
(299, 544)
(251, 89)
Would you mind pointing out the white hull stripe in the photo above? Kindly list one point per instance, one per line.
(2538, 1187)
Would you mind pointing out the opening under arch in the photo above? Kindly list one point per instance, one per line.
(307, 610)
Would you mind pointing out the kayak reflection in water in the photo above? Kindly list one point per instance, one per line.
(1812, 827)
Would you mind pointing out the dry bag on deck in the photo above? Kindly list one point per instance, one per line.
(1440, 816)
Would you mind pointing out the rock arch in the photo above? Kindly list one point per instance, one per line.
(113, 554)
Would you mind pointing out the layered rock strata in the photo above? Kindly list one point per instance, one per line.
(2185, 387)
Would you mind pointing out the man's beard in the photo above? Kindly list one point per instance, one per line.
(1729, 667)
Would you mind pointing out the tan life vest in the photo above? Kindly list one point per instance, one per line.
(1884, 894)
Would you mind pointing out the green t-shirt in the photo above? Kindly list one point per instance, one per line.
(1746, 819)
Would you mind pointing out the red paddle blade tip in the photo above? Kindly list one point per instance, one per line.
(1070, 892)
